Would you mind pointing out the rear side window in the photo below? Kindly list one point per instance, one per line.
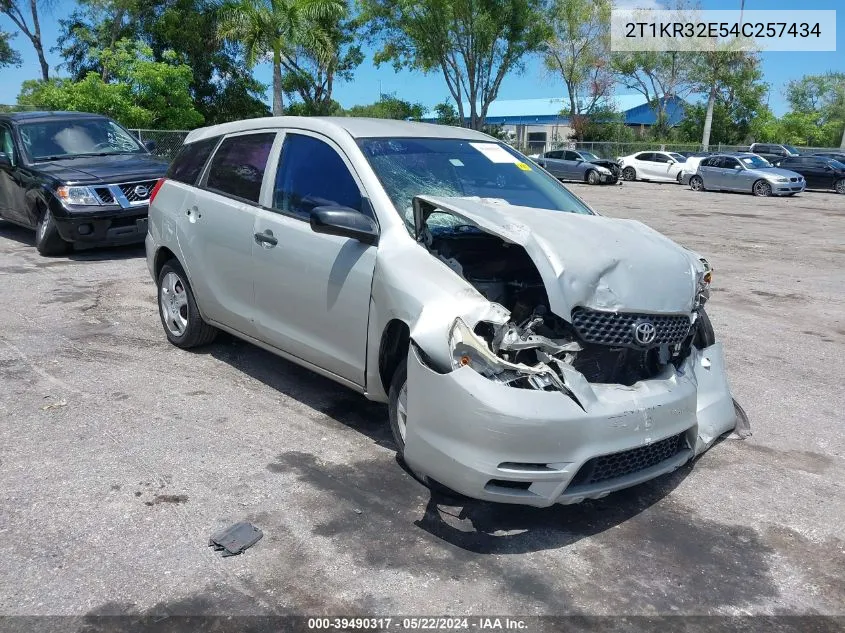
(190, 160)
(645, 156)
(237, 167)
(312, 174)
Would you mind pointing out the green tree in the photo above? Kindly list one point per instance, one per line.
(8, 55)
(141, 92)
(602, 124)
(311, 73)
(24, 13)
(274, 28)
(446, 114)
(473, 43)
(222, 88)
(388, 107)
(578, 50)
(657, 76)
(822, 97)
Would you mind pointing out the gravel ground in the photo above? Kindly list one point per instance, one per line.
(121, 454)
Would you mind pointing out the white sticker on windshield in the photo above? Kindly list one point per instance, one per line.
(495, 153)
(456, 162)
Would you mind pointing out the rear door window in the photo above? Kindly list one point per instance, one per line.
(190, 160)
(237, 168)
(312, 174)
(661, 158)
(645, 156)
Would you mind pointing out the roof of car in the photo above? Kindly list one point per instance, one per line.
(40, 115)
(354, 126)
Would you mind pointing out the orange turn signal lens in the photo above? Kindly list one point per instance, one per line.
(464, 360)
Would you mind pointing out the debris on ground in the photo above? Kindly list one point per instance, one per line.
(235, 539)
(54, 405)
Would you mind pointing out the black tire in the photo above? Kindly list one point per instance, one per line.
(761, 189)
(696, 183)
(703, 333)
(592, 177)
(400, 377)
(47, 238)
(196, 332)
(629, 174)
(839, 186)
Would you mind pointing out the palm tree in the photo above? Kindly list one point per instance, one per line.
(272, 27)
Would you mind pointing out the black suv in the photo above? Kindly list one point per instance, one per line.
(820, 172)
(74, 177)
(772, 152)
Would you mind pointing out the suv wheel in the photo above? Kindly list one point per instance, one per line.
(178, 310)
(47, 238)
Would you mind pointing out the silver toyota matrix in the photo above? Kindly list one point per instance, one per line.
(529, 349)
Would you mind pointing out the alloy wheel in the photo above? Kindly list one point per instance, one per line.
(402, 412)
(762, 188)
(840, 186)
(629, 174)
(696, 183)
(174, 304)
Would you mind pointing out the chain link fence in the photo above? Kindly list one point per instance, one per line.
(614, 150)
(163, 143)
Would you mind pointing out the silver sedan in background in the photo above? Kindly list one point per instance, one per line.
(579, 165)
(745, 173)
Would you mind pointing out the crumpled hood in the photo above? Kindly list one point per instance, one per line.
(590, 260)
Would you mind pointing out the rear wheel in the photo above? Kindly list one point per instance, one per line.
(762, 189)
(840, 186)
(47, 238)
(178, 310)
(629, 173)
(593, 177)
(680, 178)
(696, 183)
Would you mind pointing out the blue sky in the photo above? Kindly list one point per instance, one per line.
(533, 82)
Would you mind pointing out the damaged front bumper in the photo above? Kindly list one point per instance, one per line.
(499, 443)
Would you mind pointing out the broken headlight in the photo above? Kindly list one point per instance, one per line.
(468, 350)
(702, 293)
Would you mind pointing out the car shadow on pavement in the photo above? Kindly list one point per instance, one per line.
(494, 528)
(26, 237)
(332, 402)
(17, 233)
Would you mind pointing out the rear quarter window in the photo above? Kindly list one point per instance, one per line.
(188, 164)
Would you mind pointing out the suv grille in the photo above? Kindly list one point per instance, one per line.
(137, 191)
(618, 465)
(617, 328)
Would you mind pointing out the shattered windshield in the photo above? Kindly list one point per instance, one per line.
(409, 167)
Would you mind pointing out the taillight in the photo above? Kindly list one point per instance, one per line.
(157, 186)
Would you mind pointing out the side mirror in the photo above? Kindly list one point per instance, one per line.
(5, 161)
(150, 145)
(344, 222)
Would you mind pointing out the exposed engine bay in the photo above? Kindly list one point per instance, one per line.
(536, 347)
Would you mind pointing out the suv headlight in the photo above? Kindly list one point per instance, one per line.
(78, 195)
(468, 350)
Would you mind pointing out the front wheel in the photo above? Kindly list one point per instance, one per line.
(397, 405)
(840, 186)
(47, 238)
(696, 183)
(629, 173)
(178, 310)
(593, 177)
(762, 189)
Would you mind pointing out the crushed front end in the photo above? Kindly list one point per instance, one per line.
(535, 408)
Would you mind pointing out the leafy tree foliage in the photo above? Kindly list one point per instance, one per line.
(222, 88)
(446, 114)
(142, 93)
(474, 44)
(274, 28)
(578, 50)
(24, 13)
(311, 72)
(8, 55)
(388, 107)
(821, 99)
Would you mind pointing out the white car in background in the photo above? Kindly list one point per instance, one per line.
(658, 166)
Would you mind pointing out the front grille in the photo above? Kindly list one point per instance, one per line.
(617, 328)
(105, 195)
(616, 465)
(137, 191)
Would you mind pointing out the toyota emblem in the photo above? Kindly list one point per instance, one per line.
(644, 333)
(141, 191)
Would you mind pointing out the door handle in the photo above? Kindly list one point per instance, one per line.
(266, 239)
